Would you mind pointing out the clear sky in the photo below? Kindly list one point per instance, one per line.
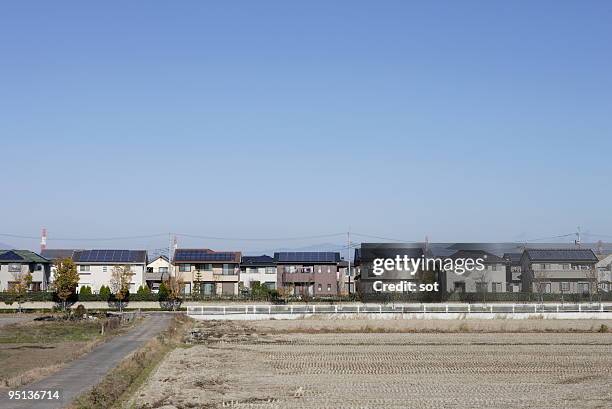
(464, 121)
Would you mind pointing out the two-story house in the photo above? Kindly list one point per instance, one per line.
(491, 278)
(158, 271)
(308, 273)
(261, 269)
(559, 271)
(212, 272)
(95, 267)
(14, 264)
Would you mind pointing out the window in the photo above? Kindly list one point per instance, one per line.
(565, 287)
(565, 266)
(543, 266)
(319, 269)
(163, 269)
(104, 268)
(39, 267)
(583, 288)
(228, 270)
(270, 285)
(493, 267)
(328, 287)
(328, 269)
(184, 268)
(496, 287)
(547, 288)
(319, 287)
(270, 270)
(14, 268)
(84, 268)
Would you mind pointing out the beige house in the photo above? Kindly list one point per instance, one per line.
(213, 272)
(559, 271)
(491, 279)
(158, 270)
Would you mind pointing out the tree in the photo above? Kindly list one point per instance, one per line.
(197, 282)
(592, 277)
(143, 290)
(65, 280)
(482, 283)
(85, 290)
(174, 286)
(19, 288)
(540, 279)
(105, 292)
(120, 283)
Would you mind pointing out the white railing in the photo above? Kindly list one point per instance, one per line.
(399, 309)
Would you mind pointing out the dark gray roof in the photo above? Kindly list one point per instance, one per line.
(110, 256)
(474, 254)
(56, 254)
(561, 255)
(258, 261)
(513, 258)
(307, 257)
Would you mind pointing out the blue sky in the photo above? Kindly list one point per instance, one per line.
(464, 121)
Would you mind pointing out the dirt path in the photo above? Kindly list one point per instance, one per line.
(89, 370)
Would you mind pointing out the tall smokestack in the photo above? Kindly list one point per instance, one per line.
(43, 240)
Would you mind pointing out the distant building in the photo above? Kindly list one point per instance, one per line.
(308, 273)
(158, 271)
(492, 279)
(258, 268)
(95, 267)
(513, 271)
(15, 263)
(566, 271)
(214, 272)
(54, 255)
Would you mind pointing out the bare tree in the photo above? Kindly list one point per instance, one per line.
(482, 281)
(592, 277)
(120, 283)
(540, 279)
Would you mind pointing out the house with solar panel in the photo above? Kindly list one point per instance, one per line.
(213, 272)
(308, 273)
(261, 269)
(15, 263)
(95, 267)
(559, 271)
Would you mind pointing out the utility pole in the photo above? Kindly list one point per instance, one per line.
(348, 249)
(577, 241)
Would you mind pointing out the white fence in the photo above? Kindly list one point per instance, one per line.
(313, 309)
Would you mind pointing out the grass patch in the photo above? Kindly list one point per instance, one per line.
(49, 332)
(132, 372)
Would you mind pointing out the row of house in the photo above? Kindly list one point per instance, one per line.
(549, 270)
(538, 270)
(204, 270)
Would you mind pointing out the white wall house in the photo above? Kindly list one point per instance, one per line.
(258, 268)
(491, 280)
(95, 267)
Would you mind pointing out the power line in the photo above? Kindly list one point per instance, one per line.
(259, 239)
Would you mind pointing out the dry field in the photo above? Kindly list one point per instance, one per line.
(366, 365)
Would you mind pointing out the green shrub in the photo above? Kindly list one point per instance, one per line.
(105, 292)
(143, 290)
(163, 292)
(85, 290)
